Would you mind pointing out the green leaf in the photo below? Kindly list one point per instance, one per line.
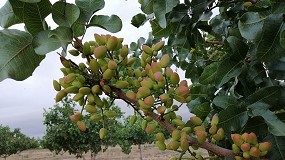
(44, 44)
(159, 32)
(18, 58)
(268, 95)
(209, 74)
(112, 24)
(138, 20)
(282, 39)
(65, 14)
(228, 69)
(199, 90)
(239, 48)
(32, 14)
(78, 27)
(64, 36)
(199, 107)
(278, 147)
(232, 118)
(269, 48)
(198, 6)
(161, 7)
(224, 101)
(7, 16)
(147, 6)
(276, 126)
(250, 25)
(89, 7)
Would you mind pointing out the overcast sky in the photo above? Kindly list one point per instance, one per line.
(22, 102)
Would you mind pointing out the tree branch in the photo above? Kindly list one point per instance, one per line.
(193, 141)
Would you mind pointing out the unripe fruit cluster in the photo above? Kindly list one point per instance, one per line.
(248, 145)
(109, 67)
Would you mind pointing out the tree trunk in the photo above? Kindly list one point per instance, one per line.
(140, 152)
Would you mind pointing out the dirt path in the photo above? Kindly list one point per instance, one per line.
(149, 152)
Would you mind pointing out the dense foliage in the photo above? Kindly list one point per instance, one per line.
(234, 59)
(13, 141)
(63, 135)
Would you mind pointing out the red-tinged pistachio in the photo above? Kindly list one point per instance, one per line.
(131, 94)
(215, 120)
(160, 137)
(112, 65)
(201, 136)
(213, 129)
(161, 109)
(245, 147)
(254, 152)
(173, 145)
(149, 100)
(168, 72)
(221, 132)
(81, 125)
(143, 92)
(112, 43)
(237, 139)
(174, 79)
(164, 97)
(199, 128)
(164, 61)
(158, 76)
(182, 91)
(184, 144)
(100, 52)
(252, 138)
(69, 78)
(155, 67)
(76, 117)
(147, 82)
(150, 128)
(264, 146)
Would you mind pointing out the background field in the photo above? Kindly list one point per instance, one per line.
(149, 152)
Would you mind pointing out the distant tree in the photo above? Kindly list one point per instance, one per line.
(13, 142)
(135, 134)
(64, 135)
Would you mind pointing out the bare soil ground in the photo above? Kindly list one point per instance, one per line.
(149, 152)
